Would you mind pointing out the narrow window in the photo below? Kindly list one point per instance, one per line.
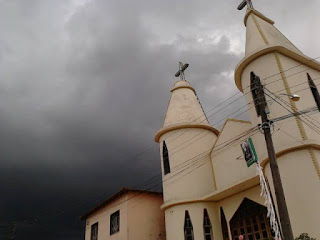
(254, 92)
(94, 231)
(165, 156)
(207, 229)
(115, 222)
(188, 228)
(224, 225)
(314, 91)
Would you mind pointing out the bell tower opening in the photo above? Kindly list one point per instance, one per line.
(250, 220)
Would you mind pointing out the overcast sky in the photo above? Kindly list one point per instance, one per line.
(84, 85)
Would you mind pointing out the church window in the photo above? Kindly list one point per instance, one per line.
(115, 222)
(188, 228)
(254, 92)
(165, 157)
(207, 228)
(314, 91)
(224, 225)
(94, 231)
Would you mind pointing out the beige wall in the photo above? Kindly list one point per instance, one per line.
(191, 170)
(102, 216)
(231, 204)
(298, 83)
(228, 163)
(145, 219)
(302, 190)
(140, 218)
(175, 215)
(175, 220)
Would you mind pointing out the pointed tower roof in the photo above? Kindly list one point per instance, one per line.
(261, 33)
(184, 106)
(184, 110)
(262, 37)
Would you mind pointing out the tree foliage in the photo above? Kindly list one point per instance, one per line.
(304, 236)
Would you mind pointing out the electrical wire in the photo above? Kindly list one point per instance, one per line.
(295, 111)
(221, 103)
(232, 102)
(306, 121)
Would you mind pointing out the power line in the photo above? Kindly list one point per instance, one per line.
(307, 123)
(151, 178)
(295, 110)
(221, 103)
(226, 105)
(82, 204)
(35, 219)
(300, 64)
(249, 86)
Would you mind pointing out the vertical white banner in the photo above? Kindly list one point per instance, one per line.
(268, 203)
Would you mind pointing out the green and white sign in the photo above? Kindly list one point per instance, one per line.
(249, 152)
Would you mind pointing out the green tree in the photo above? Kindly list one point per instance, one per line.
(304, 236)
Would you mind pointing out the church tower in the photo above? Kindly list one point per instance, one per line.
(186, 140)
(209, 192)
(284, 70)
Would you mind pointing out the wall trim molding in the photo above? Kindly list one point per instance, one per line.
(184, 125)
(303, 59)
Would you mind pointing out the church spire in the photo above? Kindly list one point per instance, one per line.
(184, 106)
(262, 33)
(184, 109)
(262, 38)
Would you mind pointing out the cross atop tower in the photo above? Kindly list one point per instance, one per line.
(244, 3)
(182, 68)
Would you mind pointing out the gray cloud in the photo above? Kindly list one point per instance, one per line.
(84, 85)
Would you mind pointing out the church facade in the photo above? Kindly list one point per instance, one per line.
(208, 190)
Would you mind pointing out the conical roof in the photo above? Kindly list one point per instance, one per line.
(184, 106)
(261, 33)
(184, 110)
(262, 38)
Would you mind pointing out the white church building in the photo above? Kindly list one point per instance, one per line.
(208, 190)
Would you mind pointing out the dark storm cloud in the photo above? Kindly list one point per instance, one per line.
(84, 85)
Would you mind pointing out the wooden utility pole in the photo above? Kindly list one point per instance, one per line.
(281, 201)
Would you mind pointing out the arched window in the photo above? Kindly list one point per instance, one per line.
(165, 157)
(188, 228)
(207, 228)
(314, 91)
(224, 225)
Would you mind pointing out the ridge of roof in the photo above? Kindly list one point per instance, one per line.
(113, 197)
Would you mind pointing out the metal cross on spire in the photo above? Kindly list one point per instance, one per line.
(182, 68)
(244, 3)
